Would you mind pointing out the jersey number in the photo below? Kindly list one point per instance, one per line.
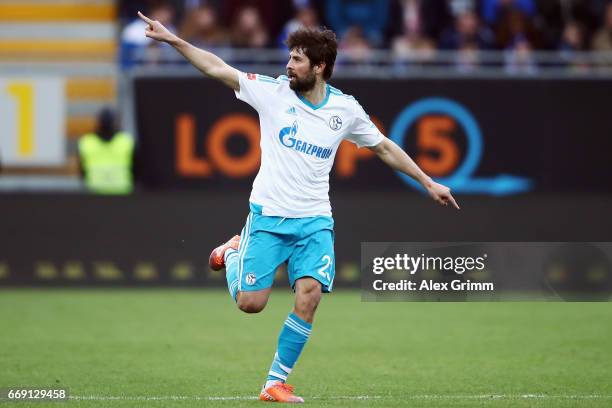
(322, 271)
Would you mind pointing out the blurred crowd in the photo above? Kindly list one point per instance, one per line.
(409, 29)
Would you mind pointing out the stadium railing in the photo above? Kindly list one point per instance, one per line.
(385, 63)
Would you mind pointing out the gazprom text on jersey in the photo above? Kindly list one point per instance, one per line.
(300, 145)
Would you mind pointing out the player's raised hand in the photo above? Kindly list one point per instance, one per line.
(156, 30)
(441, 194)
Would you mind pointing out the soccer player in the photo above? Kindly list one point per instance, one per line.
(303, 120)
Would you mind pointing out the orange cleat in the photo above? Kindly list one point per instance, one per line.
(216, 260)
(280, 392)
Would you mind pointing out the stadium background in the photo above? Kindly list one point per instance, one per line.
(508, 101)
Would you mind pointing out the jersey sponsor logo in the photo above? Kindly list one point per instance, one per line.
(291, 111)
(251, 76)
(335, 123)
(288, 139)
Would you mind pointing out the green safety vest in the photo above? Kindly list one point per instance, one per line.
(107, 164)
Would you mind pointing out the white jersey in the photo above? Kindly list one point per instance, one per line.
(299, 142)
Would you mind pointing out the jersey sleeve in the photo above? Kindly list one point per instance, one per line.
(256, 89)
(363, 132)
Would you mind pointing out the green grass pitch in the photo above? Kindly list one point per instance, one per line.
(184, 348)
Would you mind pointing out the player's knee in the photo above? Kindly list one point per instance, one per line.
(309, 287)
(251, 305)
(308, 295)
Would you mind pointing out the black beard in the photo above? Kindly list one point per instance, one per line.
(304, 84)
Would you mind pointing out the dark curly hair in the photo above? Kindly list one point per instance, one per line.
(319, 45)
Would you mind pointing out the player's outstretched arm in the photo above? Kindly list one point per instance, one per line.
(396, 158)
(205, 61)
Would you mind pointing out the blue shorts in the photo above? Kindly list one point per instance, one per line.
(306, 244)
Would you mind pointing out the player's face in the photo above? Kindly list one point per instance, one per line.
(301, 74)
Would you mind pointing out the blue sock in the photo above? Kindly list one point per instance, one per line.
(291, 341)
(231, 271)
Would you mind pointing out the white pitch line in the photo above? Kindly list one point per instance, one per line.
(510, 396)
(338, 397)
